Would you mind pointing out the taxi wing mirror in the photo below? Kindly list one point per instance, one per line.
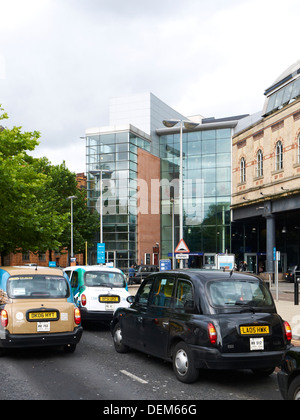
(131, 299)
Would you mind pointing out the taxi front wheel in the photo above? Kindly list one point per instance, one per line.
(117, 335)
(183, 364)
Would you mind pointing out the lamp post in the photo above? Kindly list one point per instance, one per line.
(99, 172)
(189, 125)
(72, 197)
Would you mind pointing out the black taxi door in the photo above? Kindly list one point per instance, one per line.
(155, 322)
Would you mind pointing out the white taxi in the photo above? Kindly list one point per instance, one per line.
(98, 291)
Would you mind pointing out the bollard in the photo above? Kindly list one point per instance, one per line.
(296, 287)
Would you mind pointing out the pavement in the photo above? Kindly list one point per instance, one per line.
(285, 306)
(287, 309)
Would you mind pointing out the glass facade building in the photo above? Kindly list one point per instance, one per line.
(115, 154)
(206, 191)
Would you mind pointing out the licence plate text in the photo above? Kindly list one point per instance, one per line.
(35, 316)
(255, 330)
(115, 299)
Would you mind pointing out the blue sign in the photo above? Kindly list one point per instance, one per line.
(165, 265)
(100, 253)
(52, 263)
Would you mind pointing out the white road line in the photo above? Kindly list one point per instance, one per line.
(135, 378)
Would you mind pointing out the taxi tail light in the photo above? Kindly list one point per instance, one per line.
(212, 333)
(4, 318)
(288, 331)
(83, 300)
(77, 316)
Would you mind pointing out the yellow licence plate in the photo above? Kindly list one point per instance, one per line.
(109, 299)
(255, 330)
(36, 316)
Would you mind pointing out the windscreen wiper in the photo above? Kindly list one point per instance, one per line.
(247, 306)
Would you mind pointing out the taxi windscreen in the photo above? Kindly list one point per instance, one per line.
(37, 286)
(104, 279)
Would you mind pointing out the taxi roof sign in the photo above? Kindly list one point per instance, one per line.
(182, 248)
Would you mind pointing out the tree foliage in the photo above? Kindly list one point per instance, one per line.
(35, 212)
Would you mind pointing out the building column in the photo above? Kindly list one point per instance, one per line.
(271, 242)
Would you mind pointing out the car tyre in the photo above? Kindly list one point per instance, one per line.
(294, 389)
(118, 342)
(184, 364)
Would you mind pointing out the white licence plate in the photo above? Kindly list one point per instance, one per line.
(43, 326)
(257, 343)
(109, 306)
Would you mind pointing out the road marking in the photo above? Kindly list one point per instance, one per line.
(135, 378)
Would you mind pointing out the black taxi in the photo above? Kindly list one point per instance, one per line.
(200, 319)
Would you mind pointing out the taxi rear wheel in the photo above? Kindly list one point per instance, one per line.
(183, 364)
(118, 342)
(294, 389)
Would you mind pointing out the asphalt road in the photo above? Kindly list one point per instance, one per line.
(96, 372)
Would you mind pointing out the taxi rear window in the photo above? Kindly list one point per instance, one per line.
(104, 279)
(238, 293)
(37, 287)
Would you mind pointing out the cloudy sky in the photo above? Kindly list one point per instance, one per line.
(62, 60)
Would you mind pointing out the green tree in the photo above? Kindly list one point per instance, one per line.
(61, 183)
(35, 212)
(25, 223)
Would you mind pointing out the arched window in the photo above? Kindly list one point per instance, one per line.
(278, 156)
(260, 165)
(242, 170)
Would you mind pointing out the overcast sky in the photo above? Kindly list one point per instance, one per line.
(62, 60)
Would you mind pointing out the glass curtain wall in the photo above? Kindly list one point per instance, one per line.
(206, 190)
(116, 155)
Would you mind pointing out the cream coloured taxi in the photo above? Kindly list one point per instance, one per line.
(37, 309)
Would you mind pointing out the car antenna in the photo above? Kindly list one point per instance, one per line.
(36, 268)
(231, 272)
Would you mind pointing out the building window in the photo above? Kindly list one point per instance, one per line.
(260, 167)
(26, 256)
(279, 156)
(242, 170)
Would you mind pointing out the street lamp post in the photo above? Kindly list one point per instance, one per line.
(189, 125)
(72, 197)
(99, 172)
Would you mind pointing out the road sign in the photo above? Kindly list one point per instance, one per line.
(182, 248)
(164, 265)
(182, 256)
(100, 253)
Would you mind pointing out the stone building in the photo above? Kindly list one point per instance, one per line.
(266, 178)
